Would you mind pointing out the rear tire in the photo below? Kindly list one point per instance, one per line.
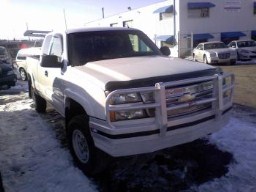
(23, 74)
(87, 157)
(40, 103)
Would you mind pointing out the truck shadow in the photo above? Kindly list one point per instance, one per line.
(174, 169)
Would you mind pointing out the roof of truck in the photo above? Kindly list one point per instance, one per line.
(88, 29)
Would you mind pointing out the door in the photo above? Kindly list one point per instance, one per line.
(50, 82)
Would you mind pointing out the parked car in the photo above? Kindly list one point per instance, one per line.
(21, 60)
(5, 56)
(7, 76)
(246, 49)
(214, 52)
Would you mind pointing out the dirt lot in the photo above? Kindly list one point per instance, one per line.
(245, 83)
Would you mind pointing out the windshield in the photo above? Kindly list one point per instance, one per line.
(99, 45)
(215, 46)
(246, 44)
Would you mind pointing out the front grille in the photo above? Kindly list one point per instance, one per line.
(184, 101)
(224, 55)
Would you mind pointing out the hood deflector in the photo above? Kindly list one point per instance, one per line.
(151, 81)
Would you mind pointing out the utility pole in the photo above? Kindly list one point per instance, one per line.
(103, 12)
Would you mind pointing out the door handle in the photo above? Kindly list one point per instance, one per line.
(46, 73)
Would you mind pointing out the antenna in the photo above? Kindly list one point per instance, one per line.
(64, 14)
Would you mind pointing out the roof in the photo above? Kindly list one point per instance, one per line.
(242, 40)
(210, 42)
(90, 29)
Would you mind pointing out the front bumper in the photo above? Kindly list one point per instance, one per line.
(213, 60)
(247, 56)
(147, 135)
(151, 141)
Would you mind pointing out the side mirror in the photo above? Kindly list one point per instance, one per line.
(165, 50)
(50, 61)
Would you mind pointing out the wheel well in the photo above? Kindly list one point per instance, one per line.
(73, 108)
(21, 68)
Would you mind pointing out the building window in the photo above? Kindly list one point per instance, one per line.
(205, 12)
(254, 8)
(198, 13)
(199, 9)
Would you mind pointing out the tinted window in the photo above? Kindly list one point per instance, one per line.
(46, 46)
(215, 46)
(246, 44)
(56, 48)
(99, 45)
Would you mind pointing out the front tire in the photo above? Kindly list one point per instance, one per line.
(23, 74)
(86, 156)
(194, 57)
(205, 59)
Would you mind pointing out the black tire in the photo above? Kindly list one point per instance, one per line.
(205, 59)
(87, 157)
(232, 62)
(29, 88)
(23, 74)
(194, 58)
(40, 103)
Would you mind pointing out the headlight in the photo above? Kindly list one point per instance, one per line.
(127, 115)
(148, 97)
(125, 98)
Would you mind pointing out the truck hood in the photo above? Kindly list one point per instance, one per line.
(143, 71)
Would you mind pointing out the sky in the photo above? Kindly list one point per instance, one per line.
(32, 159)
(18, 15)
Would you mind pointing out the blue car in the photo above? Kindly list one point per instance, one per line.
(7, 76)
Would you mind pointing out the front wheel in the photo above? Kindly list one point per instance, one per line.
(194, 57)
(233, 62)
(87, 157)
(23, 74)
(205, 59)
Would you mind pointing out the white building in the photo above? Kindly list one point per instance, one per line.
(182, 24)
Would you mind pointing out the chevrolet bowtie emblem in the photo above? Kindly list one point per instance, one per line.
(187, 98)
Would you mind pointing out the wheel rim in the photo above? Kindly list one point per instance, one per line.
(23, 74)
(80, 146)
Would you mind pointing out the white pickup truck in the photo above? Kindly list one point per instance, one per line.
(121, 95)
